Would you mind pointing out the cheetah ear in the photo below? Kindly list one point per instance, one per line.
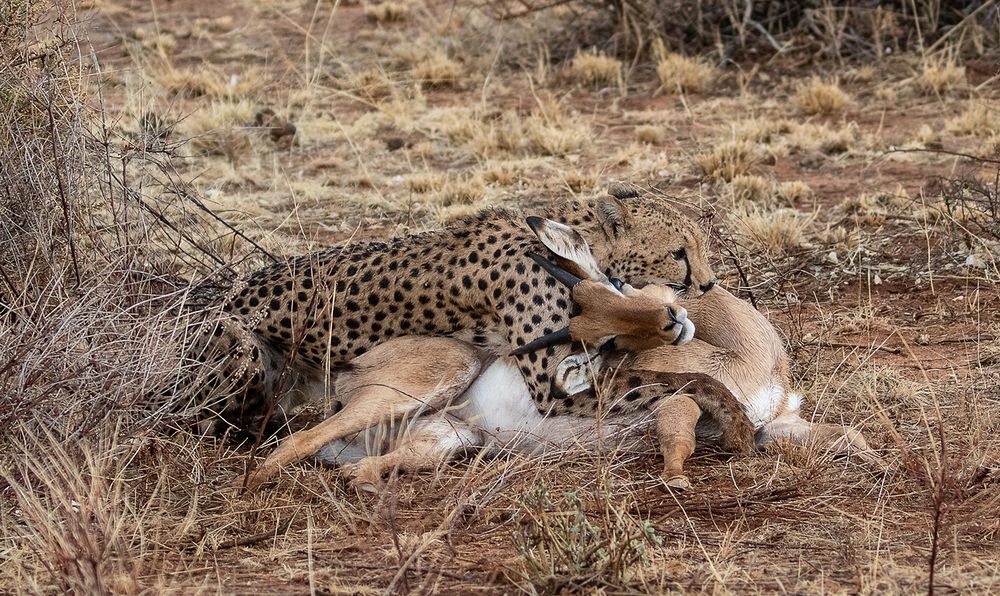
(612, 215)
(567, 244)
(624, 190)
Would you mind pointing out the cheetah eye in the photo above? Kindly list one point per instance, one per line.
(679, 254)
(617, 283)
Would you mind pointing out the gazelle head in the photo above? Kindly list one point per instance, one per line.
(610, 308)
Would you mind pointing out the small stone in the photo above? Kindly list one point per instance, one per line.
(281, 131)
(975, 262)
(395, 143)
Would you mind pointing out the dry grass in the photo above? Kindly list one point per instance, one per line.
(794, 193)
(977, 119)
(388, 12)
(594, 68)
(371, 83)
(425, 182)
(939, 76)
(461, 192)
(222, 128)
(990, 148)
(682, 74)
(206, 82)
(819, 97)
(749, 189)
(678, 73)
(885, 295)
(727, 160)
(771, 232)
(653, 135)
(436, 69)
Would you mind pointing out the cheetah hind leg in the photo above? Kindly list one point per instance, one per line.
(401, 377)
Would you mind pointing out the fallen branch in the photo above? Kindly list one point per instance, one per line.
(281, 528)
(844, 344)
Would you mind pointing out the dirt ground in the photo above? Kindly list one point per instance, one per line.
(841, 200)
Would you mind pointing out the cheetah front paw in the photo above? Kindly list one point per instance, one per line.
(576, 372)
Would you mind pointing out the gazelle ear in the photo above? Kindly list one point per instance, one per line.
(567, 244)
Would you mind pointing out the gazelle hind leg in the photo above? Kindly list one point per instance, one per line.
(427, 444)
(837, 439)
(394, 379)
(676, 419)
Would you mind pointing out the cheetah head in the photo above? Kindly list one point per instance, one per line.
(645, 240)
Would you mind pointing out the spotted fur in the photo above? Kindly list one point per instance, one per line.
(292, 322)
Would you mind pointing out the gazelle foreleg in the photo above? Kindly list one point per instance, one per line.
(401, 377)
(676, 419)
(425, 444)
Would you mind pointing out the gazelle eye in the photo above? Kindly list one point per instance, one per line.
(679, 254)
(617, 283)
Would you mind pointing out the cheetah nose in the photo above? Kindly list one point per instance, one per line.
(708, 285)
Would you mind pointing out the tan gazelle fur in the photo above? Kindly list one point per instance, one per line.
(403, 378)
(738, 346)
(733, 342)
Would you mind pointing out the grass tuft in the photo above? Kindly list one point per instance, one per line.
(388, 12)
(682, 74)
(771, 232)
(939, 76)
(595, 68)
(436, 69)
(818, 97)
(727, 161)
(651, 134)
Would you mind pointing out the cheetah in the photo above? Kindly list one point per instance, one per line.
(289, 326)
(735, 344)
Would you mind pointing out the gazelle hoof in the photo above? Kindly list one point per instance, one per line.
(363, 476)
(362, 486)
(677, 482)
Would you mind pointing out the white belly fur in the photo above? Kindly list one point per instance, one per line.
(768, 402)
(500, 405)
